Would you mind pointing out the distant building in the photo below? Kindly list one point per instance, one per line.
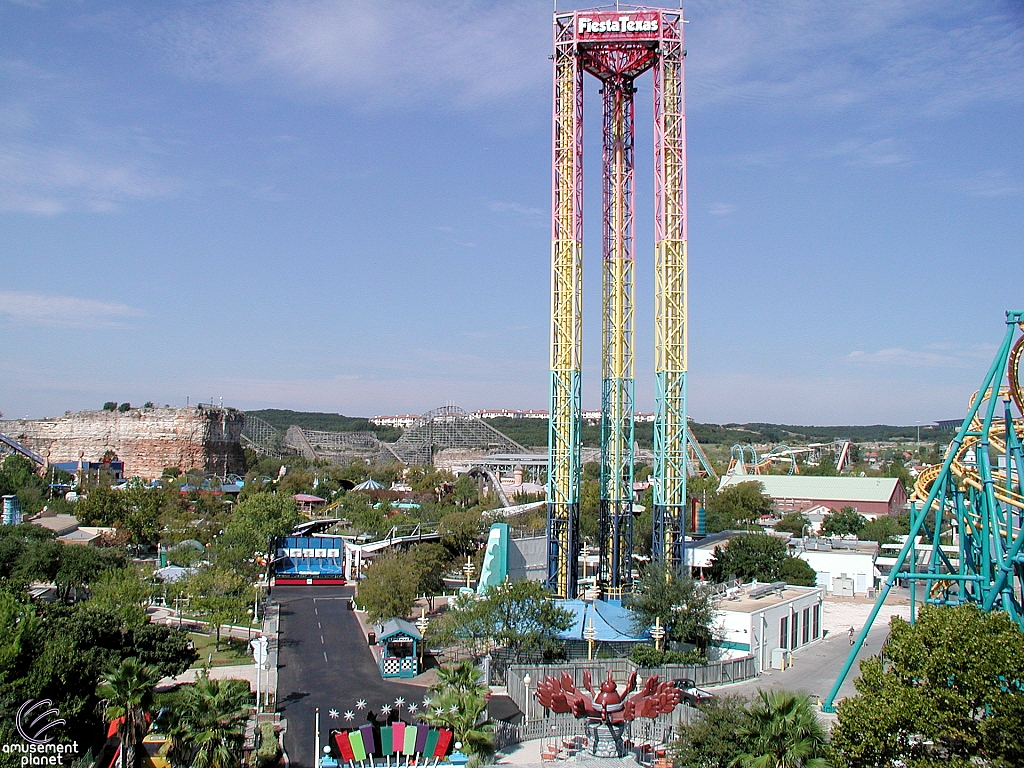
(59, 525)
(870, 496)
(401, 420)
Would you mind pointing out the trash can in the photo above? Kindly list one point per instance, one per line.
(351, 605)
(371, 638)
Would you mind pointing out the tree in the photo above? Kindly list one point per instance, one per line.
(794, 522)
(389, 589)
(897, 469)
(110, 405)
(948, 691)
(749, 556)
(846, 522)
(466, 491)
(518, 616)
(797, 571)
(203, 723)
(430, 560)
(256, 523)
(460, 532)
(525, 618)
(125, 593)
(218, 709)
(782, 731)
(167, 649)
(459, 702)
(682, 604)
(220, 595)
(126, 694)
(737, 504)
(884, 529)
(462, 676)
(124, 407)
(713, 739)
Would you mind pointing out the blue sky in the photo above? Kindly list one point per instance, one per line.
(343, 206)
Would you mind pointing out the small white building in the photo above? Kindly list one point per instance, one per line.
(767, 621)
(844, 567)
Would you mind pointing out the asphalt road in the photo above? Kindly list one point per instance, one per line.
(815, 668)
(324, 662)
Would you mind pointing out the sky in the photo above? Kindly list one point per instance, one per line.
(344, 206)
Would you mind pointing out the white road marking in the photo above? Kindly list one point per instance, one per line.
(325, 655)
(321, 639)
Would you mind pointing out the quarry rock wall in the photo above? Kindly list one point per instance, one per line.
(147, 440)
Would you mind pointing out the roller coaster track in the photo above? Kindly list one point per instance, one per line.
(10, 445)
(973, 502)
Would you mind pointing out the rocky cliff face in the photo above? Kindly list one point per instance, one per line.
(146, 439)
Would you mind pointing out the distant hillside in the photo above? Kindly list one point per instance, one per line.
(534, 432)
(785, 433)
(324, 422)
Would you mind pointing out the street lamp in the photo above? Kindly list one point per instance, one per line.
(658, 633)
(421, 624)
(469, 569)
(529, 706)
(589, 633)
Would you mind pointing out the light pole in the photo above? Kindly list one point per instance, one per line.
(421, 624)
(589, 633)
(658, 633)
(469, 569)
(526, 682)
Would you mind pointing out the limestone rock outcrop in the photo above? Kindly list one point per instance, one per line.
(147, 440)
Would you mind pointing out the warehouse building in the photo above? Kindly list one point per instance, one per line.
(870, 496)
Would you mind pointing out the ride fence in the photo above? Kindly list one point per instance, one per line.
(704, 675)
(639, 735)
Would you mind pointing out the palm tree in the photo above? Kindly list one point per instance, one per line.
(126, 696)
(465, 713)
(217, 710)
(460, 703)
(463, 676)
(782, 731)
(204, 725)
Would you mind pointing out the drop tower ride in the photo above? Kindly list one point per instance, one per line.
(617, 46)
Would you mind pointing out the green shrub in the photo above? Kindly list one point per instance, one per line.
(269, 750)
(647, 656)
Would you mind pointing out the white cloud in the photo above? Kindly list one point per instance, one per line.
(722, 209)
(865, 153)
(50, 180)
(902, 56)
(377, 54)
(995, 183)
(64, 311)
(500, 206)
(930, 356)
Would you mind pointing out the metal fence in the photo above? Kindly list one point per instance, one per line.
(556, 728)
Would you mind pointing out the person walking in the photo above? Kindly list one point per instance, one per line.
(851, 635)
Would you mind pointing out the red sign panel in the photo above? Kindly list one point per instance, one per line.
(618, 25)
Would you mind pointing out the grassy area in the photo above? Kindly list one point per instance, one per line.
(232, 652)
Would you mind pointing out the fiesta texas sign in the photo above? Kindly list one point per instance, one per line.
(601, 26)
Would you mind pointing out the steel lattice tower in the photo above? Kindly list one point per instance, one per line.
(617, 47)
